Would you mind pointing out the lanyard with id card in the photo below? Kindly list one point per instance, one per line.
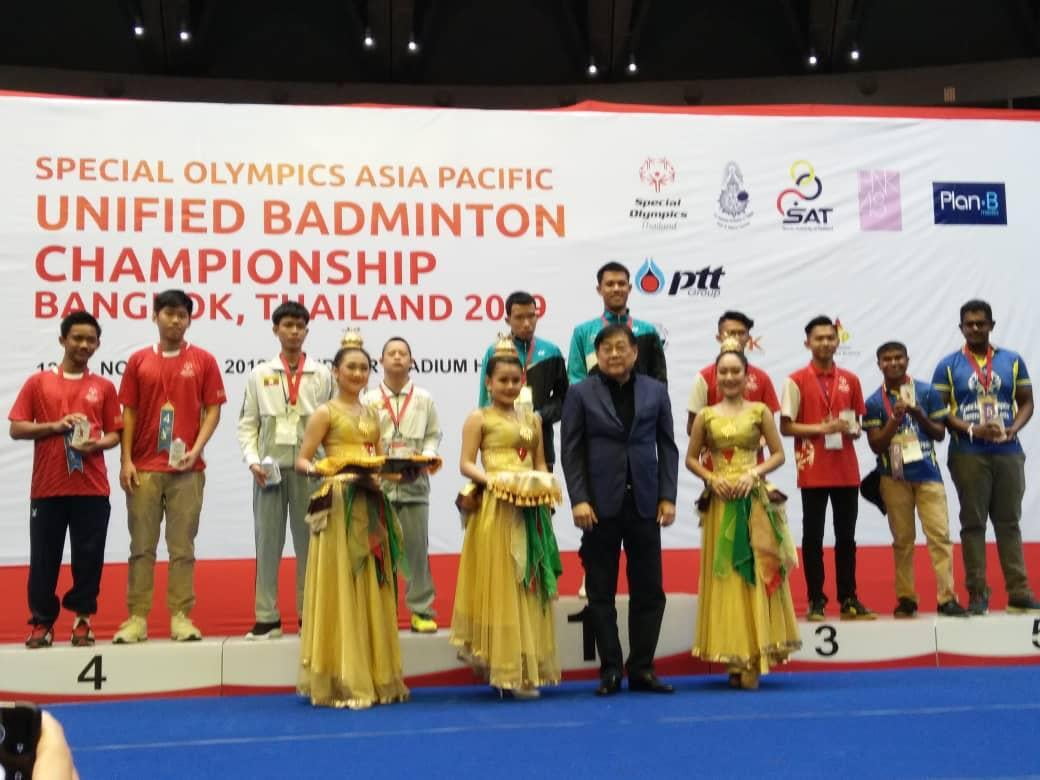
(831, 441)
(905, 446)
(80, 433)
(399, 446)
(166, 443)
(989, 407)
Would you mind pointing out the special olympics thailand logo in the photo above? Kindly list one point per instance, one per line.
(649, 277)
(804, 176)
(657, 172)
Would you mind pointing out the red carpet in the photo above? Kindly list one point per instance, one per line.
(225, 589)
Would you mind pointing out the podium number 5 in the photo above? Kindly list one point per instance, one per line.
(1036, 633)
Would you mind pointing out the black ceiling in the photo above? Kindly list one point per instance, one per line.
(493, 42)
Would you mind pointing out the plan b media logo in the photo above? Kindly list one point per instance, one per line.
(969, 203)
(800, 205)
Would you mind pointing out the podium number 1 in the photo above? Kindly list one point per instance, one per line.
(91, 673)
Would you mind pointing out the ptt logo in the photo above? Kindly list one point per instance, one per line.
(797, 205)
(969, 203)
(706, 282)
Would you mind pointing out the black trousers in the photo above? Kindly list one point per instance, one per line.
(86, 520)
(600, 555)
(845, 507)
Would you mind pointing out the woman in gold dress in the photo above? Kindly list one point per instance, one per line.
(349, 651)
(503, 619)
(745, 617)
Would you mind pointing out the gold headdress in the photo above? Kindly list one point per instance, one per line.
(504, 347)
(730, 344)
(352, 338)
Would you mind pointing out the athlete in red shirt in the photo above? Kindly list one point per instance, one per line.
(171, 394)
(72, 416)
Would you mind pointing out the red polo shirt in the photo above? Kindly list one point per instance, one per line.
(812, 396)
(705, 391)
(190, 380)
(47, 397)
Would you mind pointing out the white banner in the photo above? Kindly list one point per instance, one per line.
(419, 222)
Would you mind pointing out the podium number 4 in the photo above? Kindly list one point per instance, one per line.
(91, 673)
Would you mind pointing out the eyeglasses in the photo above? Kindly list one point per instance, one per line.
(976, 325)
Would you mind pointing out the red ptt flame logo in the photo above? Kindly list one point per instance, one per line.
(657, 172)
(650, 277)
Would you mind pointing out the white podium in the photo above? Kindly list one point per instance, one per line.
(162, 668)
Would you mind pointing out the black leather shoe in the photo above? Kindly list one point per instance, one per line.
(649, 683)
(609, 685)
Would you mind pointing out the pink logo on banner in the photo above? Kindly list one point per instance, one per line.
(880, 207)
(657, 172)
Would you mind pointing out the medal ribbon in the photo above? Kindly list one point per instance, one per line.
(396, 419)
(825, 391)
(178, 360)
(293, 379)
(984, 372)
(527, 362)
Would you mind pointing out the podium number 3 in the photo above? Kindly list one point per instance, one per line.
(91, 673)
(829, 635)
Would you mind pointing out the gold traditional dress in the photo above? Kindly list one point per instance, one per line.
(745, 617)
(349, 651)
(503, 620)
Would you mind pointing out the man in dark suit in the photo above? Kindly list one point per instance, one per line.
(621, 465)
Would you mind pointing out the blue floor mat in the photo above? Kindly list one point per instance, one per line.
(955, 723)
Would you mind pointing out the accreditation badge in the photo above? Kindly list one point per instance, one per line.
(286, 428)
(399, 448)
(895, 458)
(165, 427)
(910, 447)
(989, 410)
(833, 441)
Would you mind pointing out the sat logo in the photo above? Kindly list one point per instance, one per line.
(797, 204)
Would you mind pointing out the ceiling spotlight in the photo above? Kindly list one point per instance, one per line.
(854, 54)
(592, 69)
(184, 35)
(813, 59)
(368, 41)
(632, 68)
(413, 46)
(138, 30)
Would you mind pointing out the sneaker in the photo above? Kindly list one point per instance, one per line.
(41, 636)
(260, 630)
(906, 608)
(816, 613)
(952, 609)
(82, 633)
(183, 630)
(978, 603)
(423, 624)
(852, 609)
(1022, 605)
(134, 629)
